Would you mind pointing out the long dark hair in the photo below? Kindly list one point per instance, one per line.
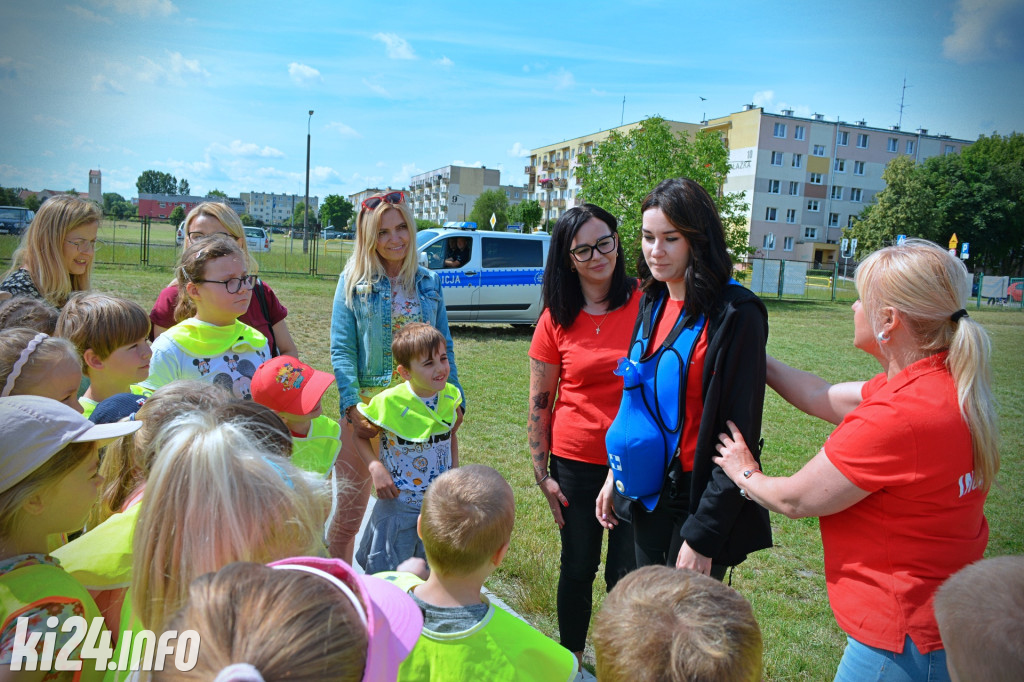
(692, 211)
(563, 296)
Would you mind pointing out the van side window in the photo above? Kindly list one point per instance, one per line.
(458, 251)
(512, 253)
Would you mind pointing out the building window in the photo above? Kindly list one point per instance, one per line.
(850, 219)
(770, 214)
(843, 138)
(768, 242)
(813, 205)
(862, 140)
(791, 215)
(787, 244)
(949, 150)
(837, 192)
(891, 145)
(798, 160)
(776, 158)
(833, 220)
(819, 150)
(910, 146)
(798, 134)
(794, 188)
(839, 165)
(780, 130)
(773, 187)
(856, 194)
(858, 168)
(816, 178)
(810, 233)
(163, 205)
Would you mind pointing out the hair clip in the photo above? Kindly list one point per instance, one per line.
(20, 363)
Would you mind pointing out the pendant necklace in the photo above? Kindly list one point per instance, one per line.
(597, 324)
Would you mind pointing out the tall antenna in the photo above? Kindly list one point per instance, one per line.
(903, 96)
(622, 119)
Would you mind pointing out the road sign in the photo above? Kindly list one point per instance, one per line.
(900, 238)
(965, 251)
(853, 247)
(953, 241)
(494, 221)
(845, 247)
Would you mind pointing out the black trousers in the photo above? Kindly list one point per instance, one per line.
(657, 533)
(581, 548)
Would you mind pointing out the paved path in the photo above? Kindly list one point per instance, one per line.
(585, 676)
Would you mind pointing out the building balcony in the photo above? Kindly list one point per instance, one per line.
(547, 166)
(561, 183)
(530, 170)
(562, 163)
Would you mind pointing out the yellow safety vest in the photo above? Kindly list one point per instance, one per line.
(317, 450)
(399, 410)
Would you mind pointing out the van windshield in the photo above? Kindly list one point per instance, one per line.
(424, 236)
(13, 213)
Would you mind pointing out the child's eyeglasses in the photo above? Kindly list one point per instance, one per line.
(370, 203)
(233, 285)
(84, 245)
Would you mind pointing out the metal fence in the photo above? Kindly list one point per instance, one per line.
(798, 280)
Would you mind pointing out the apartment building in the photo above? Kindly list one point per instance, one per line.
(807, 178)
(449, 193)
(358, 198)
(551, 175)
(276, 209)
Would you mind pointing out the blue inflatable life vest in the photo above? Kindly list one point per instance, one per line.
(644, 436)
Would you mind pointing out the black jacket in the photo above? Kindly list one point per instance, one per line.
(722, 525)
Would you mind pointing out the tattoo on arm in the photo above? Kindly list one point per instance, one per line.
(540, 401)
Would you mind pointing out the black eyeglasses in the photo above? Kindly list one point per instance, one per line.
(370, 203)
(584, 252)
(233, 285)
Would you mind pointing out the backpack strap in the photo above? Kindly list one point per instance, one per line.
(261, 297)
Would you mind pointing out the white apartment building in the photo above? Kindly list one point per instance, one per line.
(276, 209)
(449, 193)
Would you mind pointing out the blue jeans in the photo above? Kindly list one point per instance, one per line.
(863, 663)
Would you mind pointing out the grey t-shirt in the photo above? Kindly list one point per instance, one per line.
(450, 619)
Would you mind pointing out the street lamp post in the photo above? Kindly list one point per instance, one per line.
(305, 213)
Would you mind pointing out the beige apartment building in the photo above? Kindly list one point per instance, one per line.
(449, 193)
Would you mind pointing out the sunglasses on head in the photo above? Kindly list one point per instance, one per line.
(392, 198)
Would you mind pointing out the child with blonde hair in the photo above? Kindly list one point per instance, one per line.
(57, 251)
(210, 343)
(34, 363)
(26, 311)
(661, 624)
(112, 336)
(466, 526)
(299, 619)
(48, 483)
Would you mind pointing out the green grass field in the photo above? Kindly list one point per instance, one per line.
(786, 583)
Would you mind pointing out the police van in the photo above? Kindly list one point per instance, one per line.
(487, 276)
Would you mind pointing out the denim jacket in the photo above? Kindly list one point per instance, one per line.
(361, 335)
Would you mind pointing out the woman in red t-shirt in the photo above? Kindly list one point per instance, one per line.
(590, 307)
(266, 313)
(900, 485)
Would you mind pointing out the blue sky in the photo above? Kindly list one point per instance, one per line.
(218, 92)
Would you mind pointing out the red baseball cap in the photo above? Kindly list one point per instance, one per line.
(285, 384)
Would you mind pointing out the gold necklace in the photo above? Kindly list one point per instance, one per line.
(597, 324)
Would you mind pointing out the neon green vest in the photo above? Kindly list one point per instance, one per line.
(317, 450)
(88, 406)
(500, 648)
(399, 410)
(204, 339)
(102, 558)
(24, 588)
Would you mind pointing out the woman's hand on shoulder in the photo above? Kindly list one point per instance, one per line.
(362, 426)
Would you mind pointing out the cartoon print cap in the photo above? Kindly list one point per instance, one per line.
(285, 384)
(393, 621)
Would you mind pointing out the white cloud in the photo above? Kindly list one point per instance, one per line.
(764, 98)
(379, 89)
(518, 150)
(51, 121)
(247, 149)
(563, 79)
(85, 144)
(324, 174)
(396, 46)
(343, 130)
(303, 74)
(599, 93)
(381, 164)
(101, 83)
(401, 178)
(445, 62)
(142, 8)
(87, 14)
(984, 29)
(174, 71)
(367, 181)
(526, 68)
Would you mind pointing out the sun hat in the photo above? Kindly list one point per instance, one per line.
(33, 429)
(393, 621)
(285, 384)
(117, 407)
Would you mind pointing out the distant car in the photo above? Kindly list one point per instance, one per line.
(1015, 291)
(337, 234)
(14, 219)
(257, 240)
(277, 229)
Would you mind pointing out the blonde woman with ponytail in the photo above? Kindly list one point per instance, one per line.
(901, 483)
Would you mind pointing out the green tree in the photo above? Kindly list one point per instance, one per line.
(183, 188)
(156, 182)
(32, 202)
(177, 215)
(624, 168)
(109, 199)
(905, 206)
(336, 211)
(492, 201)
(247, 219)
(217, 193)
(425, 224)
(529, 213)
(9, 197)
(119, 208)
